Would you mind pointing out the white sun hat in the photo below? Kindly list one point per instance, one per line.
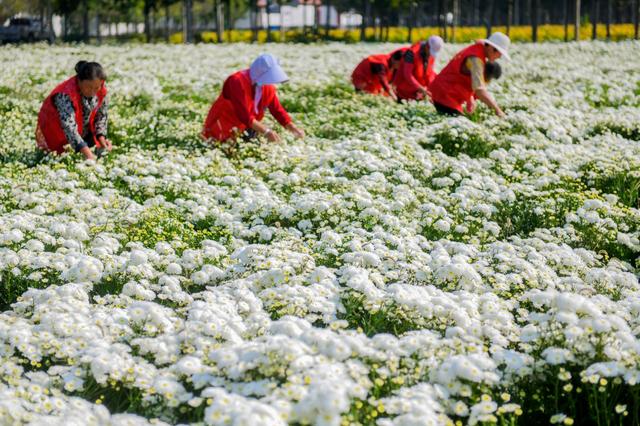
(435, 45)
(266, 70)
(501, 42)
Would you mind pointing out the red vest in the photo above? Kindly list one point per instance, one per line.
(363, 79)
(222, 122)
(49, 133)
(452, 87)
(422, 72)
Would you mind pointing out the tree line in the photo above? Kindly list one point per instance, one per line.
(162, 17)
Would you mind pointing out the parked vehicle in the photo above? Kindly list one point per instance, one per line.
(25, 29)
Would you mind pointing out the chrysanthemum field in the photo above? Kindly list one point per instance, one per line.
(394, 268)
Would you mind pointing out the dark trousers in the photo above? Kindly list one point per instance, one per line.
(89, 140)
(248, 135)
(442, 109)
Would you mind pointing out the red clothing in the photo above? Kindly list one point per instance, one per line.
(372, 75)
(452, 87)
(49, 133)
(416, 71)
(234, 110)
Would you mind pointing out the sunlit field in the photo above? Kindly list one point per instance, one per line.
(395, 267)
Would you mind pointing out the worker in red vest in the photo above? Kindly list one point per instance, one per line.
(242, 103)
(75, 113)
(373, 74)
(416, 72)
(463, 76)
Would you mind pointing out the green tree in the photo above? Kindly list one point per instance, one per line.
(147, 7)
(65, 8)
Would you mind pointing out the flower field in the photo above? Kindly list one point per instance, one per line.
(393, 268)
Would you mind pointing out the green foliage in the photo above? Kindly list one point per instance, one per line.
(473, 144)
(528, 213)
(588, 401)
(109, 285)
(158, 224)
(374, 319)
(13, 285)
(121, 397)
(631, 132)
(625, 184)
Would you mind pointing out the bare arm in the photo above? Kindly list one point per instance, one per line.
(265, 131)
(381, 72)
(476, 69)
(485, 97)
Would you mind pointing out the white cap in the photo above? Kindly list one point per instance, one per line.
(266, 70)
(501, 42)
(435, 45)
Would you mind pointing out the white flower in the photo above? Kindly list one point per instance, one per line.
(174, 269)
(460, 409)
(555, 356)
(442, 225)
(200, 277)
(34, 245)
(138, 257)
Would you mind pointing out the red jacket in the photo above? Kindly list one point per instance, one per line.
(372, 75)
(452, 87)
(49, 133)
(234, 110)
(414, 72)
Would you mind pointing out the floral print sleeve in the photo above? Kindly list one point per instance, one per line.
(101, 118)
(67, 114)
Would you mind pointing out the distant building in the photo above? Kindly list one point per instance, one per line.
(298, 13)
